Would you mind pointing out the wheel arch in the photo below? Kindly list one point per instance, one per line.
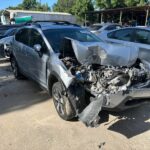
(52, 78)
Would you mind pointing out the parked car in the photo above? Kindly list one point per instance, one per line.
(137, 38)
(6, 41)
(83, 74)
(100, 29)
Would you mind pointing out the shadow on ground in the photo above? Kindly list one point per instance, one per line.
(132, 122)
(18, 94)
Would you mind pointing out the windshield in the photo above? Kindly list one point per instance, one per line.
(95, 27)
(56, 36)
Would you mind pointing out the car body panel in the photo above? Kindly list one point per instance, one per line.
(109, 73)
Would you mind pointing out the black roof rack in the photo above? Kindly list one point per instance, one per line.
(38, 23)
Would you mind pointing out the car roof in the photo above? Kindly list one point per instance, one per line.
(46, 27)
(106, 24)
(142, 27)
(145, 28)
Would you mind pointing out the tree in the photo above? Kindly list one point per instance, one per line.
(103, 4)
(130, 3)
(81, 7)
(75, 7)
(42, 7)
(108, 4)
(143, 2)
(118, 3)
(64, 6)
(31, 5)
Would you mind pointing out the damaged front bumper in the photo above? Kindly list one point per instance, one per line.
(128, 99)
(133, 97)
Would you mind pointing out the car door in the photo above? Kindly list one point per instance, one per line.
(37, 60)
(142, 40)
(122, 36)
(20, 45)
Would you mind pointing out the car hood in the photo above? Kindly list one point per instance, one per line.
(107, 54)
(6, 40)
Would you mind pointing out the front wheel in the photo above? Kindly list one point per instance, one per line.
(62, 103)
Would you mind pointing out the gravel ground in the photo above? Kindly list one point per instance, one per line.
(28, 121)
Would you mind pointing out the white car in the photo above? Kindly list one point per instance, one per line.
(104, 28)
(136, 38)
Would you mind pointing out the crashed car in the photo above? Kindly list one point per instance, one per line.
(83, 74)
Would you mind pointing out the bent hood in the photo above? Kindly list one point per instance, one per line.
(106, 54)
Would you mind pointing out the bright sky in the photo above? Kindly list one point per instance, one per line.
(6, 3)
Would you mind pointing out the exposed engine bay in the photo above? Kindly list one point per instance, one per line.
(103, 80)
(107, 79)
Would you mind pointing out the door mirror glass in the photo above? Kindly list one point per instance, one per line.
(37, 47)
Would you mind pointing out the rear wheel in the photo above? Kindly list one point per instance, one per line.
(15, 68)
(62, 103)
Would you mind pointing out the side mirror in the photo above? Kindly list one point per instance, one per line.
(37, 48)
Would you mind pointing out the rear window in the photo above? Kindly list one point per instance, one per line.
(56, 36)
(124, 35)
(113, 27)
(95, 27)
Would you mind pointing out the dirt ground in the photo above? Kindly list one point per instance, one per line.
(28, 121)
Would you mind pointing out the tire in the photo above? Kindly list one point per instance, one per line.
(2, 53)
(62, 103)
(15, 68)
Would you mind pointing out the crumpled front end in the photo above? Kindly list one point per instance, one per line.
(101, 76)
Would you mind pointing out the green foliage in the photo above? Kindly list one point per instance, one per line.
(143, 2)
(42, 7)
(31, 5)
(130, 3)
(75, 7)
(108, 4)
(64, 6)
(81, 7)
(118, 3)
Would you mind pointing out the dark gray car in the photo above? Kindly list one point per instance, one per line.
(82, 73)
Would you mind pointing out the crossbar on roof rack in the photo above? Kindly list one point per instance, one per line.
(57, 22)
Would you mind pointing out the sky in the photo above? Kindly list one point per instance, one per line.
(6, 3)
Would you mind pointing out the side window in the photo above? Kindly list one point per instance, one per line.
(142, 36)
(36, 38)
(113, 27)
(111, 35)
(22, 36)
(125, 35)
(17, 36)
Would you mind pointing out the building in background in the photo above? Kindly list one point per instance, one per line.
(130, 15)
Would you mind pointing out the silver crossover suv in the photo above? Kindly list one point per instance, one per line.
(83, 74)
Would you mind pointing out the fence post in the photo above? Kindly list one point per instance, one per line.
(101, 17)
(147, 14)
(120, 17)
